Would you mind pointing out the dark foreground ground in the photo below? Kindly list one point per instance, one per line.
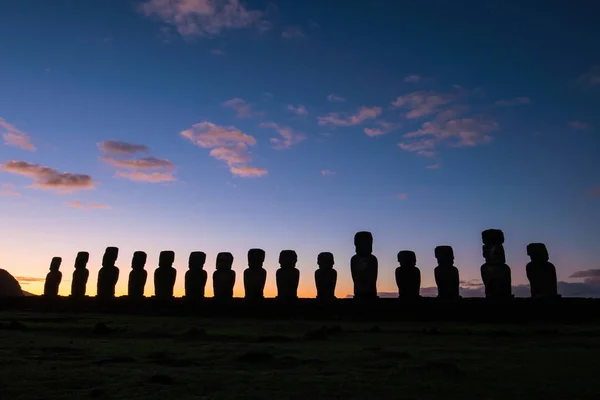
(84, 356)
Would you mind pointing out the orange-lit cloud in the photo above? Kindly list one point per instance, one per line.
(384, 128)
(292, 32)
(289, 137)
(49, 178)
(149, 177)
(517, 101)
(300, 109)
(242, 108)
(335, 98)
(361, 115)
(590, 78)
(14, 137)
(580, 125)
(228, 144)
(136, 170)
(141, 163)
(412, 79)
(85, 206)
(422, 103)
(116, 147)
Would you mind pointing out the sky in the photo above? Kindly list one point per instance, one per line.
(223, 125)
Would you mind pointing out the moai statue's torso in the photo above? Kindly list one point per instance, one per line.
(408, 276)
(224, 277)
(325, 277)
(196, 276)
(446, 274)
(364, 267)
(108, 274)
(495, 273)
(80, 275)
(53, 278)
(165, 275)
(287, 276)
(138, 275)
(540, 272)
(255, 276)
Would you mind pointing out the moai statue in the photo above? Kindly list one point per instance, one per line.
(495, 273)
(53, 278)
(540, 272)
(224, 277)
(364, 266)
(108, 274)
(325, 277)
(255, 276)
(80, 275)
(287, 276)
(138, 275)
(408, 276)
(196, 276)
(164, 275)
(446, 274)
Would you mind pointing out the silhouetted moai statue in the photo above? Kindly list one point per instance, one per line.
(196, 276)
(408, 276)
(364, 266)
(224, 277)
(80, 275)
(540, 272)
(138, 275)
(446, 274)
(165, 275)
(255, 276)
(108, 274)
(53, 278)
(495, 273)
(325, 277)
(287, 276)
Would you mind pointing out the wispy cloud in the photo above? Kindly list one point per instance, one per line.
(242, 108)
(292, 32)
(580, 125)
(402, 196)
(116, 147)
(85, 206)
(217, 52)
(422, 103)
(590, 276)
(202, 18)
(49, 178)
(590, 78)
(384, 128)
(148, 177)
(300, 109)
(9, 192)
(146, 169)
(29, 279)
(326, 172)
(140, 164)
(412, 79)
(288, 136)
(434, 166)
(361, 115)
(595, 192)
(335, 98)
(517, 101)
(228, 144)
(14, 137)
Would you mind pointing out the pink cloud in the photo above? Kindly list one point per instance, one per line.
(246, 171)
(116, 147)
(590, 78)
(335, 98)
(237, 154)
(580, 125)
(288, 136)
(517, 101)
(412, 79)
(14, 137)
(402, 196)
(463, 132)
(422, 103)
(49, 178)
(86, 206)
(149, 177)
(362, 114)
(141, 163)
(242, 108)
(327, 172)
(385, 128)
(300, 109)
(292, 32)
(9, 192)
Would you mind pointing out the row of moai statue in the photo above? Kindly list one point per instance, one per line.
(495, 273)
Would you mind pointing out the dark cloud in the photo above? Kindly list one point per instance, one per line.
(116, 147)
(49, 178)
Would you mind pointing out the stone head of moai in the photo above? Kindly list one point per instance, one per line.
(256, 258)
(444, 255)
(494, 254)
(363, 242)
(407, 258)
(288, 259)
(197, 260)
(55, 263)
(224, 261)
(492, 237)
(82, 259)
(325, 260)
(139, 260)
(166, 258)
(538, 252)
(110, 256)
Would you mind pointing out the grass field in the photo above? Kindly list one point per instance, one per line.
(85, 356)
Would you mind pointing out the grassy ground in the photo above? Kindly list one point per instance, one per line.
(97, 356)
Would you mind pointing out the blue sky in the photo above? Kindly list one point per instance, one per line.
(295, 124)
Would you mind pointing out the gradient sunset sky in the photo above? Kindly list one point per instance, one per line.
(218, 125)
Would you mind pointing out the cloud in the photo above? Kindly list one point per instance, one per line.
(385, 128)
(228, 144)
(29, 279)
(14, 137)
(9, 192)
(242, 108)
(141, 163)
(362, 114)
(116, 147)
(595, 192)
(402, 196)
(434, 166)
(335, 98)
(327, 172)
(580, 125)
(412, 79)
(149, 177)
(517, 101)
(202, 18)
(590, 78)
(289, 137)
(49, 178)
(217, 52)
(591, 276)
(422, 103)
(300, 110)
(292, 32)
(86, 206)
